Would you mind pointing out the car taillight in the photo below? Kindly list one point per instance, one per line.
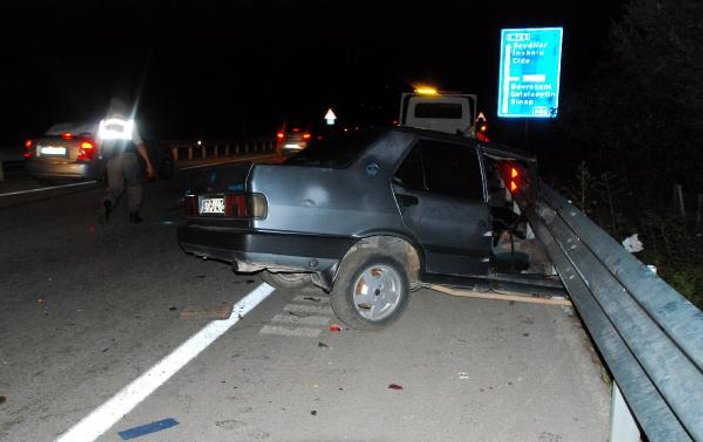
(86, 150)
(28, 148)
(190, 204)
(245, 205)
(280, 135)
(67, 136)
(306, 136)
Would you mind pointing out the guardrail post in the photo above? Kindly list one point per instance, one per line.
(203, 153)
(174, 152)
(190, 152)
(216, 153)
(227, 149)
(622, 425)
(2, 173)
(246, 147)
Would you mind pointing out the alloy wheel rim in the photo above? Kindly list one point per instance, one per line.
(377, 292)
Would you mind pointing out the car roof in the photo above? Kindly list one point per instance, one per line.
(487, 147)
(77, 128)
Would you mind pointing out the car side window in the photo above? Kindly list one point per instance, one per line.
(410, 174)
(451, 169)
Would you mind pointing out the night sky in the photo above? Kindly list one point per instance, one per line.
(227, 68)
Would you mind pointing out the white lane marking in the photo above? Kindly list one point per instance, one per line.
(299, 332)
(321, 300)
(305, 320)
(109, 413)
(312, 309)
(42, 189)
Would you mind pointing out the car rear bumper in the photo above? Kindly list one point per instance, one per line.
(68, 169)
(250, 250)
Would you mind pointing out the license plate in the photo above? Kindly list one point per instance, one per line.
(52, 150)
(210, 205)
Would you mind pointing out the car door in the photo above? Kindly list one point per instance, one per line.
(439, 190)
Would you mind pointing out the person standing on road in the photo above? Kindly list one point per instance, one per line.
(120, 144)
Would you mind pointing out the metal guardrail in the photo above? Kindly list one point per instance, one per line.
(650, 336)
(190, 150)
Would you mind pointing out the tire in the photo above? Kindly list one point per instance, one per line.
(287, 281)
(371, 290)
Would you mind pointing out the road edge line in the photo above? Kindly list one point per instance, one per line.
(108, 414)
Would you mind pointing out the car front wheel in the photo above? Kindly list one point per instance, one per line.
(287, 281)
(371, 291)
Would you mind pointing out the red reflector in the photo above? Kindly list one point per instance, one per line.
(236, 205)
(190, 204)
(513, 186)
(296, 129)
(28, 144)
(306, 136)
(27, 155)
(67, 136)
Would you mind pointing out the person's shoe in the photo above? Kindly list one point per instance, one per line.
(105, 215)
(134, 218)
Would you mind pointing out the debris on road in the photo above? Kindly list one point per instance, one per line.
(3, 399)
(143, 430)
(223, 311)
(511, 298)
(395, 387)
(322, 345)
(335, 328)
(310, 298)
(463, 375)
(313, 412)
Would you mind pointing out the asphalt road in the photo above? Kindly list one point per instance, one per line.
(88, 309)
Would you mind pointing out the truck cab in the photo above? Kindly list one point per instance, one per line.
(449, 112)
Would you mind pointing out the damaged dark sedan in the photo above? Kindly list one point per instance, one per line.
(368, 216)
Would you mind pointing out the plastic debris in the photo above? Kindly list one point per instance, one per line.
(335, 328)
(322, 345)
(223, 311)
(652, 268)
(463, 375)
(395, 387)
(143, 430)
(632, 244)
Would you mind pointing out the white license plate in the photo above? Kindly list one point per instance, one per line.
(212, 206)
(52, 150)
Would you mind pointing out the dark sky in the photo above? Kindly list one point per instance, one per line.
(220, 68)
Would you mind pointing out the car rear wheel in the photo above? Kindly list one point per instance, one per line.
(287, 281)
(371, 291)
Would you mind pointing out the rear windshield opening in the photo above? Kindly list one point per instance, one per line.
(438, 110)
(334, 150)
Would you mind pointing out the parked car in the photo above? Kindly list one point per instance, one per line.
(70, 151)
(366, 215)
